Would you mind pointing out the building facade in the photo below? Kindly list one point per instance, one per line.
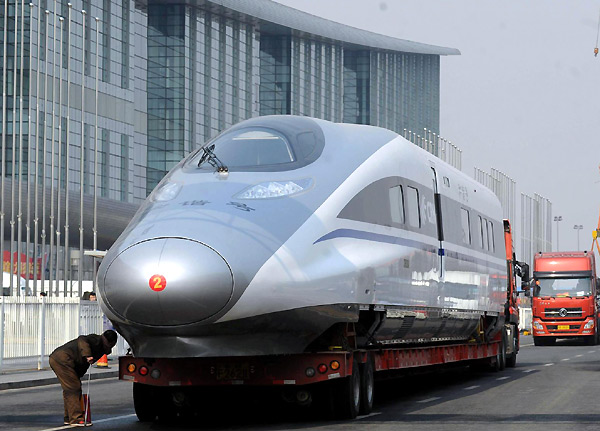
(171, 76)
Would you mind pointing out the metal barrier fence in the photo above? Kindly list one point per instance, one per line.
(525, 319)
(32, 327)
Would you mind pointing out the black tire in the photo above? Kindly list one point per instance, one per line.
(499, 362)
(511, 361)
(591, 340)
(367, 386)
(347, 394)
(144, 402)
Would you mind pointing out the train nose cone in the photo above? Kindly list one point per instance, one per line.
(168, 281)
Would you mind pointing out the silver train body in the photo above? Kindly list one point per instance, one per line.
(315, 225)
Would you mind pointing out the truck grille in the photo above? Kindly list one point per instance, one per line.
(571, 327)
(553, 313)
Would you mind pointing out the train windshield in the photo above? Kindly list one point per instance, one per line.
(261, 149)
(564, 287)
(257, 148)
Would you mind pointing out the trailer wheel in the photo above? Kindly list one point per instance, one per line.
(367, 386)
(144, 402)
(347, 397)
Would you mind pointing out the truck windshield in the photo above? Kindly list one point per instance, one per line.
(564, 287)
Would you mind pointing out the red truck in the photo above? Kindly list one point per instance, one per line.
(342, 379)
(564, 302)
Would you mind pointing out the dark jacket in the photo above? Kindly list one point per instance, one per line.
(79, 349)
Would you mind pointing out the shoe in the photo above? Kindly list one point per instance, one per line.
(81, 424)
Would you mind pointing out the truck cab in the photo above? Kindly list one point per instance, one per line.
(564, 300)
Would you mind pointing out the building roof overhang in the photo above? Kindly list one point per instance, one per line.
(275, 18)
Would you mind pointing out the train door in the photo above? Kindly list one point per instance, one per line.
(438, 220)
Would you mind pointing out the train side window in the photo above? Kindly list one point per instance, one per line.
(412, 206)
(397, 204)
(481, 229)
(493, 243)
(466, 226)
(447, 181)
(486, 243)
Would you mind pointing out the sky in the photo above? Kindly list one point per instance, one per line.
(523, 97)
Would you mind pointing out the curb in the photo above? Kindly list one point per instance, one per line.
(51, 381)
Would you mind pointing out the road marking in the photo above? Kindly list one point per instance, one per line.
(578, 356)
(526, 345)
(529, 371)
(548, 365)
(470, 388)
(503, 378)
(592, 351)
(566, 359)
(368, 416)
(428, 400)
(64, 427)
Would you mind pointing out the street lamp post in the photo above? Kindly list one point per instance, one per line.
(578, 227)
(557, 219)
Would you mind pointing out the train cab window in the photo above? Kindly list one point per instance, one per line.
(412, 207)
(397, 204)
(262, 148)
(466, 226)
(491, 235)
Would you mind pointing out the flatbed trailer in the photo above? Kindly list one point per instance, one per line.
(351, 375)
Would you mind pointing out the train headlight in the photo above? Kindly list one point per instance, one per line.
(167, 192)
(275, 189)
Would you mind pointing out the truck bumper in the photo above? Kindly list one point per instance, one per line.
(563, 328)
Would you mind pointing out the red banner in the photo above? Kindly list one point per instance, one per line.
(27, 268)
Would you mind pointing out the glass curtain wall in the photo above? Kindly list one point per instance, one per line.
(166, 89)
(404, 91)
(17, 75)
(275, 75)
(357, 86)
(317, 70)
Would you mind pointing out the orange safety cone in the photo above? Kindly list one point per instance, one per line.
(102, 362)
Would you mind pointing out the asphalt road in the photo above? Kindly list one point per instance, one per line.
(552, 388)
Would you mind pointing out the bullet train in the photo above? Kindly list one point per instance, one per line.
(283, 232)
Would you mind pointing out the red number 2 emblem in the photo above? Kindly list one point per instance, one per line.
(157, 283)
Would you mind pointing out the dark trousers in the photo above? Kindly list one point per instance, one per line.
(64, 368)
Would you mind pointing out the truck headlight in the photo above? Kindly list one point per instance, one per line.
(538, 326)
(589, 325)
